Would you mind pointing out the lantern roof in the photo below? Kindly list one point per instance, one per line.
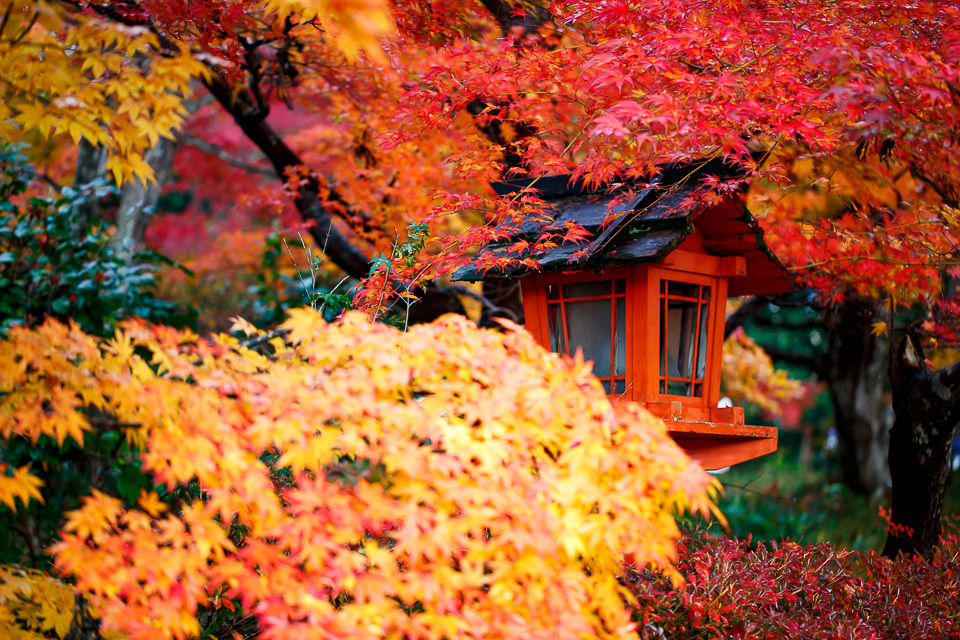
(630, 223)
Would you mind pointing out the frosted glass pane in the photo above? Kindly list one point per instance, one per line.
(587, 289)
(555, 322)
(681, 320)
(684, 340)
(702, 345)
(620, 338)
(588, 327)
(677, 388)
(684, 289)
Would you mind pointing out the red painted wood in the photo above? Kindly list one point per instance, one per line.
(719, 452)
(717, 437)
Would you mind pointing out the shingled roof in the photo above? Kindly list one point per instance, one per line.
(652, 222)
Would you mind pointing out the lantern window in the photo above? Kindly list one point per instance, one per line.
(684, 309)
(576, 311)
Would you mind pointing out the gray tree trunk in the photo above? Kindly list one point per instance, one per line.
(91, 161)
(138, 201)
(855, 371)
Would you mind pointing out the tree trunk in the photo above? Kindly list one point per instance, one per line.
(927, 408)
(138, 201)
(91, 161)
(83, 626)
(854, 370)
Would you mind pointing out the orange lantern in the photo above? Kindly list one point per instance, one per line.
(644, 296)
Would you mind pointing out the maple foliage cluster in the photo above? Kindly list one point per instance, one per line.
(748, 375)
(850, 105)
(360, 482)
(381, 505)
(33, 604)
(66, 74)
(838, 108)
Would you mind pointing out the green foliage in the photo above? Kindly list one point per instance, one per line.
(53, 265)
(105, 462)
(791, 495)
(276, 289)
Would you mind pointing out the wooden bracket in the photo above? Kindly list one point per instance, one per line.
(733, 266)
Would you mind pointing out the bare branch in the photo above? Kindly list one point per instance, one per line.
(489, 307)
(267, 337)
(226, 156)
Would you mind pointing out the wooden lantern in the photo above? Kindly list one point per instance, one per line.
(644, 296)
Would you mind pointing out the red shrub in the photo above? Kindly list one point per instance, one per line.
(785, 590)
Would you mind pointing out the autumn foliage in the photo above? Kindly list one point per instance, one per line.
(359, 482)
(749, 375)
(735, 589)
(34, 605)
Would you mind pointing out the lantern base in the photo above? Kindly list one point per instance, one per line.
(716, 437)
(716, 447)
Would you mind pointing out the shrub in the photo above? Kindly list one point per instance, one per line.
(785, 590)
(51, 267)
(365, 482)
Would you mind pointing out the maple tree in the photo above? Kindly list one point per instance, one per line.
(469, 91)
(362, 481)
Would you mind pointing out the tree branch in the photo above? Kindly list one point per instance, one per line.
(509, 18)
(340, 250)
(222, 154)
(490, 309)
(816, 364)
(746, 311)
(248, 116)
(946, 198)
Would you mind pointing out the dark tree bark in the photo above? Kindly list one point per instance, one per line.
(249, 115)
(927, 407)
(83, 626)
(854, 369)
(250, 118)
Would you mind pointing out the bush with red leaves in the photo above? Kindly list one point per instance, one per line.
(784, 590)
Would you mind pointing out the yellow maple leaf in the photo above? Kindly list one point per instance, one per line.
(21, 484)
(150, 502)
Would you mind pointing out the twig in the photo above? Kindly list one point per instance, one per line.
(267, 337)
(107, 422)
(297, 267)
(483, 300)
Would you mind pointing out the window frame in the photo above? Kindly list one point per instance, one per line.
(714, 352)
(536, 311)
(643, 319)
